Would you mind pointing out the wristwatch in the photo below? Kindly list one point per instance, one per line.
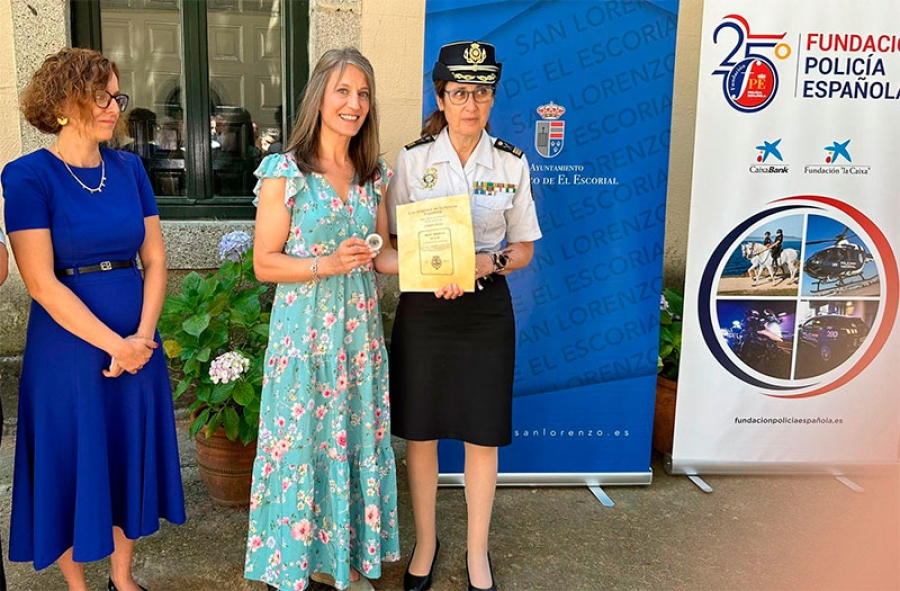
(500, 261)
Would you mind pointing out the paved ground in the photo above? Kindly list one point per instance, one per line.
(753, 532)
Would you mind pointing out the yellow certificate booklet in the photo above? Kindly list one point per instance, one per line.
(435, 244)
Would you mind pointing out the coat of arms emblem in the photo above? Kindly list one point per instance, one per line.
(550, 132)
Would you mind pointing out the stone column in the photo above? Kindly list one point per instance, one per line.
(333, 23)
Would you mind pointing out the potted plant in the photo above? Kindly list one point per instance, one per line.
(215, 332)
(671, 307)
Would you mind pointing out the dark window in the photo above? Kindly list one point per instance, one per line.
(213, 84)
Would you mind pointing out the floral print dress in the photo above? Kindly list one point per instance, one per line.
(324, 494)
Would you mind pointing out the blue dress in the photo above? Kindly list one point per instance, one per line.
(324, 490)
(91, 452)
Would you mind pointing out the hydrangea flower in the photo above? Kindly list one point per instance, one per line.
(234, 244)
(228, 367)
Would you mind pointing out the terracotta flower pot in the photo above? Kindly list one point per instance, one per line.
(664, 415)
(226, 468)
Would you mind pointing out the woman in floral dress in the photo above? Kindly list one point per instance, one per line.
(324, 499)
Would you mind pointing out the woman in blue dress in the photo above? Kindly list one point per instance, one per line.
(96, 463)
(323, 503)
(4, 271)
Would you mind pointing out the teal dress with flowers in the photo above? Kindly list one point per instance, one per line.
(324, 493)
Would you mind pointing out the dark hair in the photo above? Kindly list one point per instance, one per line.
(68, 78)
(304, 140)
(437, 121)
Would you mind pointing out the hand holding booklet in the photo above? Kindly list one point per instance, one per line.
(435, 244)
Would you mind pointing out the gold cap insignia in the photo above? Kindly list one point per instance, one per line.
(475, 54)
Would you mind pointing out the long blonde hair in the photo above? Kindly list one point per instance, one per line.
(304, 140)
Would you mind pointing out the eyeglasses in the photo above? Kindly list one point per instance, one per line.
(458, 96)
(102, 98)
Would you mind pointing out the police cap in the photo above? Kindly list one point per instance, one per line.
(467, 62)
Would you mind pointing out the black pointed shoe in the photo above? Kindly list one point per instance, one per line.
(413, 582)
(110, 586)
(469, 578)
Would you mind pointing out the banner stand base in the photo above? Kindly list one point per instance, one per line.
(686, 467)
(602, 496)
(701, 484)
(850, 484)
(558, 479)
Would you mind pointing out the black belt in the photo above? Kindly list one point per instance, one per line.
(104, 266)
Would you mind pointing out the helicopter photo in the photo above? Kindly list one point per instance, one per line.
(841, 265)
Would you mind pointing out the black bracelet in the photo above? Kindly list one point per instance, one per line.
(500, 260)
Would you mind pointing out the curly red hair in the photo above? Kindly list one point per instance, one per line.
(68, 78)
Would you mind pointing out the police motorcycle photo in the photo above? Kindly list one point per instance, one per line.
(759, 342)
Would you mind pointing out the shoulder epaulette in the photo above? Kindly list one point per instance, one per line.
(425, 139)
(507, 147)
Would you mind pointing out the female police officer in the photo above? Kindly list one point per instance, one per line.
(452, 354)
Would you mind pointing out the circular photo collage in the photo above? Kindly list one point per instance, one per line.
(800, 296)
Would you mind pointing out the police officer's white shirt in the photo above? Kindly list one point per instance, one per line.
(498, 184)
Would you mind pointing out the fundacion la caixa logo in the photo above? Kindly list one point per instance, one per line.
(749, 76)
(836, 151)
(550, 132)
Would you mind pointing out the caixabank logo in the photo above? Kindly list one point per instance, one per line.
(749, 76)
(769, 159)
(800, 298)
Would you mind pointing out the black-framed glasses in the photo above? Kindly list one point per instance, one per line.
(102, 98)
(482, 94)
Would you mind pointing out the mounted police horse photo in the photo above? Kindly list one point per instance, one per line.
(763, 259)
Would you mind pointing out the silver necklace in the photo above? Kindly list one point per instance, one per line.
(78, 180)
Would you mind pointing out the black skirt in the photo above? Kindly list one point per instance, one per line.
(452, 365)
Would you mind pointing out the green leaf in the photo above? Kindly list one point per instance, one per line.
(182, 387)
(216, 337)
(190, 283)
(232, 423)
(219, 304)
(253, 406)
(243, 393)
(214, 423)
(249, 426)
(203, 392)
(174, 304)
(221, 393)
(203, 354)
(196, 324)
(187, 351)
(192, 367)
(199, 422)
(195, 428)
(207, 287)
(676, 301)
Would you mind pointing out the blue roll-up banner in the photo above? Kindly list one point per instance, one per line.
(586, 93)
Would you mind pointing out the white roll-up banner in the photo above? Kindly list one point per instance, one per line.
(788, 358)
